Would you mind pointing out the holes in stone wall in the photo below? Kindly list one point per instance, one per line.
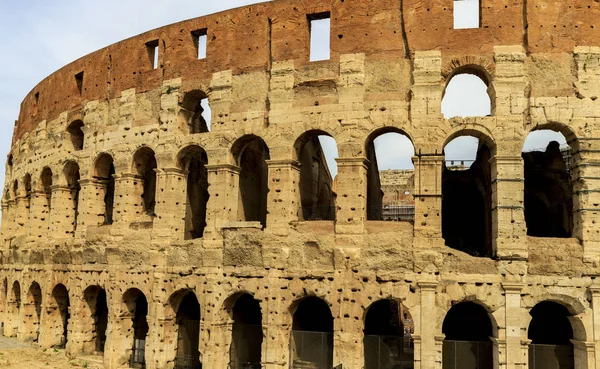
(312, 334)
(153, 53)
(468, 328)
(144, 163)
(550, 332)
(200, 42)
(317, 199)
(71, 177)
(76, 134)
(193, 160)
(320, 33)
(251, 155)
(548, 185)
(467, 197)
(195, 113)
(390, 176)
(188, 333)
(467, 14)
(247, 334)
(104, 175)
(95, 299)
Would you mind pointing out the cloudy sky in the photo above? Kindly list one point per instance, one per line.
(38, 37)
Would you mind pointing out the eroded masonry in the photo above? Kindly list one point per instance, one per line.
(170, 206)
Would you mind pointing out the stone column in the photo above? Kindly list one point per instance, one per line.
(584, 354)
(508, 217)
(511, 357)
(277, 329)
(428, 198)
(222, 206)
(38, 215)
(428, 344)
(595, 338)
(284, 198)
(351, 199)
(62, 213)
(170, 205)
(91, 205)
(128, 204)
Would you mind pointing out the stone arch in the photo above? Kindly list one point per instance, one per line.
(575, 307)
(45, 186)
(144, 165)
(482, 68)
(32, 314)
(191, 115)
(70, 178)
(76, 135)
(251, 153)
(317, 199)
(15, 189)
(134, 321)
(103, 174)
(472, 299)
(58, 316)
(95, 314)
(182, 326)
(13, 308)
(192, 159)
(247, 330)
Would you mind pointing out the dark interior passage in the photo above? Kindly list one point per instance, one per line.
(105, 171)
(145, 165)
(193, 114)
(251, 154)
(188, 333)
(548, 193)
(247, 334)
(193, 160)
(467, 206)
(76, 134)
(312, 335)
(47, 186)
(34, 298)
(72, 176)
(95, 298)
(61, 299)
(550, 332)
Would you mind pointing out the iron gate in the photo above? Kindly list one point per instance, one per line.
(467, 355)
(551, 357)
(311, 350)
(388, 352)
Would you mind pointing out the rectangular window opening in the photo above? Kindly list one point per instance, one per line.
(200, 41)
(152, 48)
(320, 31)
(467, 14)
(79, 81)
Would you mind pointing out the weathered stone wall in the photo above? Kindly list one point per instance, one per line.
(390, 63)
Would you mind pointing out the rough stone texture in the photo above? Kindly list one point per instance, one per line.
(389, 65)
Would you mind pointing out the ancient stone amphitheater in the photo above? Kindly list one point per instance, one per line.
(133, 230)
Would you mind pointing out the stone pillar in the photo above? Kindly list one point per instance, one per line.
(222, 206)
(171, 205)
(428, 198)
(595, 336)
(351, 199)
(283, 201)
(428, 344)
(91, 205)
(62, 213)
(511, 357)
(508, 217)
(277, 330)
(13, 317)
(38, 215)
(128, 204)
(584, 354)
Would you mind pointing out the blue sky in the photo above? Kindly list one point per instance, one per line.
(39, 37)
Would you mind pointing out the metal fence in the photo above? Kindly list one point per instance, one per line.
(388, 352)
(318, 212)
(187, 356)
(311, 350)
(551, 357)
(467, 355)
(138, 356)
(397, 213)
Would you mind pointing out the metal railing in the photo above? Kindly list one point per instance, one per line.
(467, 355)
(138, 355)
(388, 352)
(311, 350)
(551, 357)
(392, 213)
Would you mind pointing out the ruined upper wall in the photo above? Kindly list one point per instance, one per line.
(254, 37)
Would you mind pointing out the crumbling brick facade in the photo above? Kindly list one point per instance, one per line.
(107, 247)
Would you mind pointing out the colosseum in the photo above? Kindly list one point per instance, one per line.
(138, 229)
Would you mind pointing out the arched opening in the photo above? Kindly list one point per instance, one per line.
(97, 308)
(188, 333)
(467, 196)
(247, 335)
(195, 113)
(312, 335)
(144, 163)
(317, 173)
(33, 313)
(104, 175)
(550, 332)
(193, 160)
(14, 310)
(46, 179)
(76, 134)
(390, 177)
(15, 189)
(58, 314)
(387, 341)
(467, 345)
(9, 165)
(27, 199)
(137, 307)
(71, 175)
(548, 185)
(468, 93)
(251, 155)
